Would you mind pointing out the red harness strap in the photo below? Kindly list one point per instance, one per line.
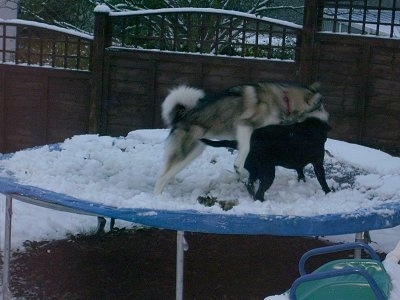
(287, 102)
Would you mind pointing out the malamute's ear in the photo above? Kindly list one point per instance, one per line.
(314, 87)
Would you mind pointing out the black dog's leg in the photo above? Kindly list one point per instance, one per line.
(250, 185)
(300, 175)
(320, 173)
(266, 181)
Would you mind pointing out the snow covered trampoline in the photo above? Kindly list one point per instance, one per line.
(114, 177)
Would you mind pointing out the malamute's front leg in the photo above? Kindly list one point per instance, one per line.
(243, 135)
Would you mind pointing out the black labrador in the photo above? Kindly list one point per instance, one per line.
(290, 146)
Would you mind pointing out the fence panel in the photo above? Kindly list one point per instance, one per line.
(32, 43)
(137, 78)
(377, 18)
(137, 82)
(41, 105)
(44, 84)
(207, 31)
(361, 83)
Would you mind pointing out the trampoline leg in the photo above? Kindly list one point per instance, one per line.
(101, 223)
(181, 247)
(359, 238)
(7, 249)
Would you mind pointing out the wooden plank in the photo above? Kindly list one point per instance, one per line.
(380, 127)
(123, 119)
(25, 111)
(68, 108)
(129, 74)
(306, 48)
(30, 95)
(338, 70)
(356, 39)
(344, 127)
(171, 79)
(100, 42)
(385, 56)
(338, 52)
(2, 110)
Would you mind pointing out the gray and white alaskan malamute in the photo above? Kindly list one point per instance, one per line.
(233, 114)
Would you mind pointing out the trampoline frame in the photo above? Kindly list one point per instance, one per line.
(385, 216)
(182, 244)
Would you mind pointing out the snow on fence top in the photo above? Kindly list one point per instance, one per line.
(47, 26)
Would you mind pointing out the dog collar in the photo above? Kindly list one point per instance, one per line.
(286, 100)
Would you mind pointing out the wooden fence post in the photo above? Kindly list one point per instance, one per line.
(100, 42)
(306, 54)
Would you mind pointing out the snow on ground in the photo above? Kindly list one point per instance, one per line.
(122, 172)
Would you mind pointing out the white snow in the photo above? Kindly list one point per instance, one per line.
(122, 172)
(47, 26)
(357, 155)
(102, 8)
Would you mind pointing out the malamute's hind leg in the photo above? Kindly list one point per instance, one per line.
(182, 148)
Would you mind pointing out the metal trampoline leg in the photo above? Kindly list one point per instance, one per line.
(359, 238)
(7, 249)
(181, 247)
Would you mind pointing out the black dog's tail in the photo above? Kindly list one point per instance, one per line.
(223, 143)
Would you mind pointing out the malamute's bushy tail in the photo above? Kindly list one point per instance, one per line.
(179, 100)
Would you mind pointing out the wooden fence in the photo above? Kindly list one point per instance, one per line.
(44, 84)
(115, 82)
(356, 56)
(137, 82)
(41, 106)
(143, 54)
